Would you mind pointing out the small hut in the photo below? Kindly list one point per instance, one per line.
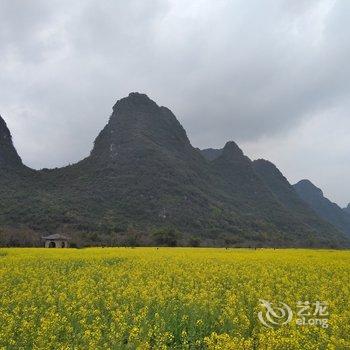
(56, 241)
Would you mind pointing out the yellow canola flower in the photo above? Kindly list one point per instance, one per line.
(169, 298)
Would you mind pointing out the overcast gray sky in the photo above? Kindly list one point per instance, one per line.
(273, 75)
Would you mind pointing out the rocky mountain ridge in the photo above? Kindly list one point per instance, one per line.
(142, 175)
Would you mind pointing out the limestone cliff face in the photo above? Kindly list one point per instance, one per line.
(8, 154)
(137, 123)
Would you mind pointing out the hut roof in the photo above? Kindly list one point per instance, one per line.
(56, 236)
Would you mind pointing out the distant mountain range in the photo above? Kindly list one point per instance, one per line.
(347, 209)
(329, 211)
(143, 175)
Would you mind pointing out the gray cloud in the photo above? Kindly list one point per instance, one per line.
(258, 72)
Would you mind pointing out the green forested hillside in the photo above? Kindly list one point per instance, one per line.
(325, 209)
(142, 176)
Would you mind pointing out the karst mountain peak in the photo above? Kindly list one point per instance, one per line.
(143, 172)
(138, 122)
(8, 154)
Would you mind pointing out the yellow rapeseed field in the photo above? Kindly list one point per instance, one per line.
(180, 298)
